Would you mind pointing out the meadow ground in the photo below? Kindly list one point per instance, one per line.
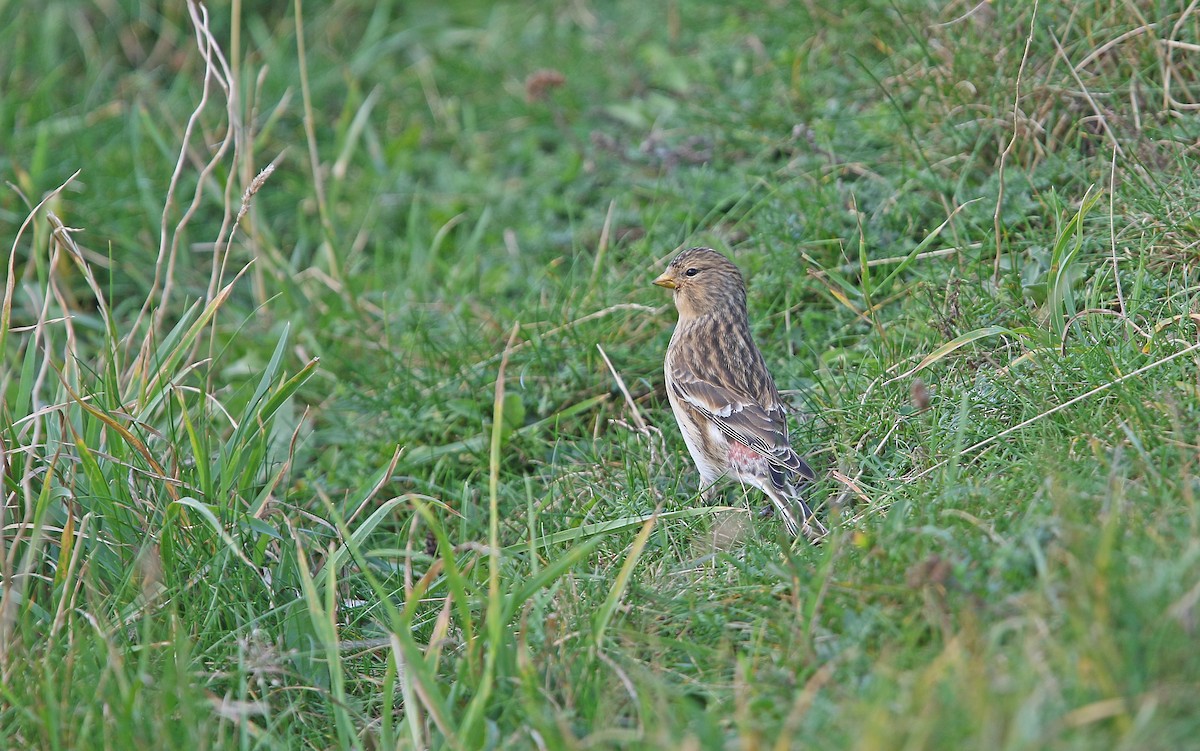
(372, 450)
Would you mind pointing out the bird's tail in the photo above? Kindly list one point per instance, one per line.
(797, 516)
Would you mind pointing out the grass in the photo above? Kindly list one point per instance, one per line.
(371, 450)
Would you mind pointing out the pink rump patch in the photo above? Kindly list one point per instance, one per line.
(745, 458)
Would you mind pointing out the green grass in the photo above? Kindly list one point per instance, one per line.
(373, 452)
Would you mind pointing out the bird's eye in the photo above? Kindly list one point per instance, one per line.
(692, 272)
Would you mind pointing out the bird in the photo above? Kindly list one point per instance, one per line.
(721, 393)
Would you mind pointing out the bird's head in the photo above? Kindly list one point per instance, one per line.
(704, 281)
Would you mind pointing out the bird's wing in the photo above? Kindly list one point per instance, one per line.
(742, 419)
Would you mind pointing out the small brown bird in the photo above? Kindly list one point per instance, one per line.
(724, 400)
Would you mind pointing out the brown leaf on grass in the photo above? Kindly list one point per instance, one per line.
(920, 395)
(540, 82)
(934, 570)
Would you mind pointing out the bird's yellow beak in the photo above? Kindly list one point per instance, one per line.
(666, 281)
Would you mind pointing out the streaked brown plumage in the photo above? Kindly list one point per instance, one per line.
(723, 397)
